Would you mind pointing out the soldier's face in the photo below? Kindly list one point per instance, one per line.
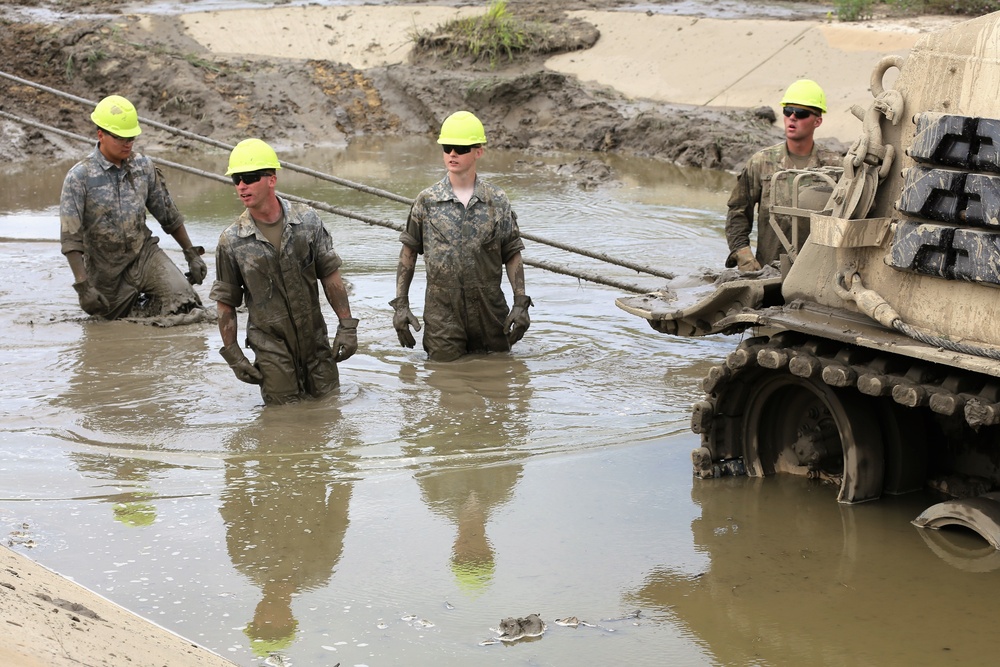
(116, 149)
(460, 163)
(252, 194)
(801, 128)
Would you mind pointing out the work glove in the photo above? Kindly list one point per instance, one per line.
(403, 319)
(92, 301)
(244, 370)
(196, 265)
(517, 321)
(345, 343)
(745, 260)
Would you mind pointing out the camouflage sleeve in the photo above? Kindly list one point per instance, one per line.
(160, 203)
(72, 203)
(512, 243)
(327, 259)
(742, 201)
(228, 285)
(413, 235)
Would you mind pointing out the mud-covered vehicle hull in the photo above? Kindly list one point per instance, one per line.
(874, 360)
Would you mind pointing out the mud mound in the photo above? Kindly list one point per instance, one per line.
(289, 102)
(174, 80)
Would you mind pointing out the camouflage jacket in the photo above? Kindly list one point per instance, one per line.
(753, 190)
(463, 247)
(280, 286)
(102, 212)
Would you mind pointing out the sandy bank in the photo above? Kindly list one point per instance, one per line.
(671, 59)
(49, 621)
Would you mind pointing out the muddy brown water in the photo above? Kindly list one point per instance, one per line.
(400, 520)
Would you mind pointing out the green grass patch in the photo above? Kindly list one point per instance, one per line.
(496, 35)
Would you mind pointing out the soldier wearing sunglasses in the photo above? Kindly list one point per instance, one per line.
(802, 108)
(275, 258)
(467, 232)
(119, 269)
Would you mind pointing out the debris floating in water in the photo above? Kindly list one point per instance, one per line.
(513, 629)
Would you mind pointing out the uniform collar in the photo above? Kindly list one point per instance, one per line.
(248, 228)
(108, 165)
(442, 190)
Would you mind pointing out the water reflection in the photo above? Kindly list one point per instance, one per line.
(130, 385)
(790, 569)
(285, 507)
(154, 463)
(471, 435)
(134, 505)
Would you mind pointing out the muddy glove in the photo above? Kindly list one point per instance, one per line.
(517, 321)
(745, 260)
(345, 343)
(92, 301)
(196, 265)
(244, 370)
(403, 320)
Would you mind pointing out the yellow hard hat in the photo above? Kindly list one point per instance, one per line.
(807, 93)
(462, 128)
(116, 115)
(252, 155)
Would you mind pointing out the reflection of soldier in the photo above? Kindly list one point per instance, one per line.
(113, 399)
(131, 508)
(110, 383)
(285, 507)
(486, 399)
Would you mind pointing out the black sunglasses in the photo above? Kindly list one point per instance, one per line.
(799, 113)
(459, 150)
(124, 140)
(249, 177)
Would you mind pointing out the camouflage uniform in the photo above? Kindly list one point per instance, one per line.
(753, 189)
(285, 327)
(102, 213)
(465, 250)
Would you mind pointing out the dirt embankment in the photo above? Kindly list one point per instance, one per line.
(95, 50)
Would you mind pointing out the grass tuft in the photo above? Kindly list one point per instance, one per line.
(496, 35)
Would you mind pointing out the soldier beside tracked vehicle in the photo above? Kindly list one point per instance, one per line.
(876, 356)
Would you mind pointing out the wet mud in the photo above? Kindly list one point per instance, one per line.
(403, 517)
(94, 50)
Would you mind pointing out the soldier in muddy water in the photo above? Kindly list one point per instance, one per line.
(119, 269)
(273, 258)
(467, 232)
(802, 107)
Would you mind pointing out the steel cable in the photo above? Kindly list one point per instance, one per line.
(323, 206)
(640, 268)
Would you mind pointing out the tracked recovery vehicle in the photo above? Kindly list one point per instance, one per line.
(871, 355)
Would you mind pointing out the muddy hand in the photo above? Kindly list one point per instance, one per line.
(196, 265)
(518, 321)
(244, 370)
(746, 261)
(92, 301)
(403, 319)
(345, 343)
